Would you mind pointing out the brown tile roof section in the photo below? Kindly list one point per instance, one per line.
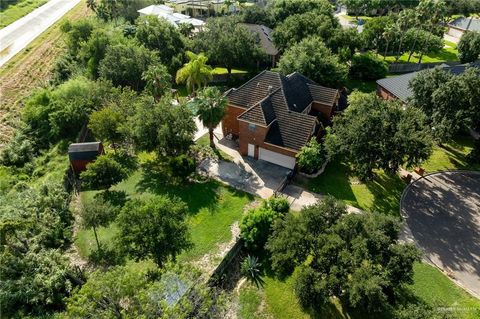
(273, 100)
(323, 94)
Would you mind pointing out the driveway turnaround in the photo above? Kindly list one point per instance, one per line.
(442, 212)
(16, 36)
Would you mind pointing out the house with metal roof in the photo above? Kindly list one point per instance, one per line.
(274, 116)
(459, 26)
(175, 18)
(397, 87)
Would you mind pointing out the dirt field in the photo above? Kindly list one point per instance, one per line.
(31, 69)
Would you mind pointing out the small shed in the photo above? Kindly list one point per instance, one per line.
(80, 154)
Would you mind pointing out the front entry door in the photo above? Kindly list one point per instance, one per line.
(251, 150)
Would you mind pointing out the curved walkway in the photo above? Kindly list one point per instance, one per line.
(442, 215)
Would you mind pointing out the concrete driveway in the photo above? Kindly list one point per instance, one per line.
(442, 214)
(253, 176)
(16, 36)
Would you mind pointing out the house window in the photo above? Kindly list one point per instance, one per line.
(251, 127)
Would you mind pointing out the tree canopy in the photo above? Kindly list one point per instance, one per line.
(314, 60)
(355, 257)
(469, 47)
(195, 73)
(154, 228)
(228, 43)
(211, 106)
(379, 134)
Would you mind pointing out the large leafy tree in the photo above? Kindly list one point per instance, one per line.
(449, 101)
(282, 9)
(377, 134)
(95, 214)
(211, 106)
(155, 228)
(228, 43)
(313, 59)
(162, 127)
(160, 35)
(355, 257)
(124, 64)
(469, 47)
(158, 80)
(196, 72)
(299, 26)
(105, 124)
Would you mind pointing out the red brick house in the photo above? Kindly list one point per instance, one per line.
(274, 116)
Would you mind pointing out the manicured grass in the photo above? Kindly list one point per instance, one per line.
(430, 287)
(220, 70)
(354, 19)
(17, 9)
(447, 54)
(205, 142)
(213, 208)
(434, 288)
(381, 194)
(451, 155)
(362, 86)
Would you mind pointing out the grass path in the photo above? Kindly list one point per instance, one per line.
(14, 10)
(30, 69)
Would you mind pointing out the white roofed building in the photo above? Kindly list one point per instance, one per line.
(167, 13)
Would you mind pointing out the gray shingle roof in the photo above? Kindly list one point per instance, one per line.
(473, 24)
(264, 36)
(271, 98)
(399, 85)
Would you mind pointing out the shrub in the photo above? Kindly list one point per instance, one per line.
(103, 173)
(368, 67)
(277, 204)
(17, 152)
(256, 226)
(182, 166)
(469, 47)
(311, 157)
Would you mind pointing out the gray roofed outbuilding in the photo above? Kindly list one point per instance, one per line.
(463, 23)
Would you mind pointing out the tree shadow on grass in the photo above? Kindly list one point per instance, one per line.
(387, 190)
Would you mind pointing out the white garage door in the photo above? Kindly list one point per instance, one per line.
(276, 158)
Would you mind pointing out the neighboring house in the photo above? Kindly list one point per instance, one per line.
(397, 87)
(204, 7)
(274, 116)
(459, 26)
(81, 154)
(169, 14)
(264, 39)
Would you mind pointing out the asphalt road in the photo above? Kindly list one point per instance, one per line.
(442, 212)
(16, 36)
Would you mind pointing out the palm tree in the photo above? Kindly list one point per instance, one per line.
(195, 73)
(158, 80)
(250, 269)
(211, 106)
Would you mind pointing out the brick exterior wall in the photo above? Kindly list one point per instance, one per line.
(384, 93)
(230, 121)
(257, 138)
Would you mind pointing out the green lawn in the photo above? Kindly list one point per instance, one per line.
(213, 208)
(384, 192)
(362, 86)
(448, 54)
(204, 141)
(277, 299)
(220, 70)
(17, 9)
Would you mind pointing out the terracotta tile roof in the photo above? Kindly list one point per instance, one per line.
(278, 101)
